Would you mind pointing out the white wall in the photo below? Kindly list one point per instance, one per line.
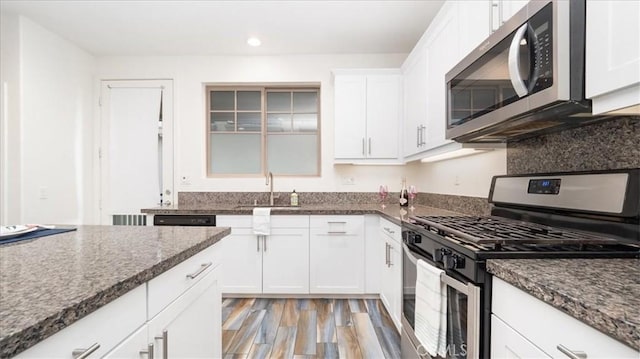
(189, 75)
(52, 160)
(464, 176)
(10, 207)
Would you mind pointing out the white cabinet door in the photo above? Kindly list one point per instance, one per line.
(242, 262)
(391, 287)
(133, 346)
(383, 115)
(285, 261)
(336, 263)
(373, 254)
(507, 343)
(442, 55)
(350, 114)
(613, 54)
(415, 100)
(192, 323)
(474, 24)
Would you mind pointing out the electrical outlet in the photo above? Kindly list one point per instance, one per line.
(349, 181)
(185, 180)
(43, 192)
(456, 182)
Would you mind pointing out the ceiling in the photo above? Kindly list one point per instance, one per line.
(215, 27)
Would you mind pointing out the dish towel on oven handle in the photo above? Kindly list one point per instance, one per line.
(431, 309)
(262, 221)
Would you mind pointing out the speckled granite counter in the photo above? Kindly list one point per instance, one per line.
(392, 212)
(603, 293)
(48, 283)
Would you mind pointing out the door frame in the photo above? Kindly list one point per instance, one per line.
(102, 142)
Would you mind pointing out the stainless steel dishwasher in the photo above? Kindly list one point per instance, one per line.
(208, 220)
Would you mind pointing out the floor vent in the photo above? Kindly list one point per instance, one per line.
(129, 220)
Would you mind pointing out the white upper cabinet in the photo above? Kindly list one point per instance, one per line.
(503, 10)
(424, 78)
(613, 56)
(367, 115)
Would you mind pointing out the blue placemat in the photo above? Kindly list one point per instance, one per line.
(35, 234)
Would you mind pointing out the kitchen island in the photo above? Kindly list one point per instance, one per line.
(47, 284)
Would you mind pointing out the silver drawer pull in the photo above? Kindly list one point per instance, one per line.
(337, 222)
(84, 353)
(149, 351)
(165, 344)
(388, 230)
(203, 267)
(336, 232)
(571, 353)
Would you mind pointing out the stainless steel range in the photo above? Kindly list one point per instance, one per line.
(552, 215)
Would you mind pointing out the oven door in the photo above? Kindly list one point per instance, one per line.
(463, 313)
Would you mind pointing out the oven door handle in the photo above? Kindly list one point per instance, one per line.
(473, 304)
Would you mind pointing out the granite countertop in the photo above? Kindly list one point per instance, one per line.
(395, 213)
(603, 293)
(49, 282)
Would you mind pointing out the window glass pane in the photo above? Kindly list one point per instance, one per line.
(222, 121)
(249, 121)
(279, 101)
(305, 102)
(292, 154)
(305, 122)
(279, 122)
(235, 153)
(222, 100)
(249, 101)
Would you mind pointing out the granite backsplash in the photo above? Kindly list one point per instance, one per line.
(612, 144)
(476, 206)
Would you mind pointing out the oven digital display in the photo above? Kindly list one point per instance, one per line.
(544, 186)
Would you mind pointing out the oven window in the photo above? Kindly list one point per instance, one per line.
(456, 324)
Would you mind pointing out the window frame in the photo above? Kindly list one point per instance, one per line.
(264, 133)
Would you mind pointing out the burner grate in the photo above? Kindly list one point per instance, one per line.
(500, 232)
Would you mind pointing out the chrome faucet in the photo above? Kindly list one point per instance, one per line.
(270, 184)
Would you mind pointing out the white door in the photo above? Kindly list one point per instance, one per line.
(132, 347)
(136, 148)
(285, 261)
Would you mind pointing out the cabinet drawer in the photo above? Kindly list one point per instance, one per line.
(106, 327)
(391, 229)
(333, 225)
(234, 221)
(165, 288)
(548, 327)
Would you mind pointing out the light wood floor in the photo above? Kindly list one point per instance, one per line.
(307, 328)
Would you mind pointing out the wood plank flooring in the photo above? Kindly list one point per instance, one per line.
(307, 328)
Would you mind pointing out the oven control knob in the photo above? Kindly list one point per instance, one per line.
(441, 253)
(453, 261)
(416, 238)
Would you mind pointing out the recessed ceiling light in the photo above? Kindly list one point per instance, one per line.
(254, 41)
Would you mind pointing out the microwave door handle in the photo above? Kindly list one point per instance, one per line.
(514, 62)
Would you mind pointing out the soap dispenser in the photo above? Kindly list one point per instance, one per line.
(294, 198)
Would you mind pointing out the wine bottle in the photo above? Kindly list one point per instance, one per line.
(404, 194)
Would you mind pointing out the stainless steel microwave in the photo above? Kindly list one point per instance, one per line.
(525, 79)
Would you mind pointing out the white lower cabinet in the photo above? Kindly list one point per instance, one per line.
(337, 255)
(189, 326)
(391, 277)
(104, 328)
(285, 261)
(185, 301)
(507, 343)
(533, 326)
(274, 264)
